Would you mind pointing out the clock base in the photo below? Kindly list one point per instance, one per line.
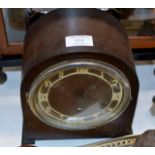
(36, 130)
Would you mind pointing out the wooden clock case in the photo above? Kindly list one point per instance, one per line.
(44, 46)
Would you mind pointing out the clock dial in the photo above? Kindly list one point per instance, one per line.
(79, 94)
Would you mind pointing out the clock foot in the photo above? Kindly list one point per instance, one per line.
(153, 99)
(3, 76)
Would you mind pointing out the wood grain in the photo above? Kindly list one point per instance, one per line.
(3, 39)
(5, 47)
(142, 42)
(17, 48)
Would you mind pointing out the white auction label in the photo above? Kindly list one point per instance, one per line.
(79, 40)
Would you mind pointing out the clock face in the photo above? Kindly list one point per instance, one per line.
(79, 94)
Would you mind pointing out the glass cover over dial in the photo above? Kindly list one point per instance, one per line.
(79, 94)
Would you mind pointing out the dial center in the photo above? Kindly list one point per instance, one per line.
(80, 95)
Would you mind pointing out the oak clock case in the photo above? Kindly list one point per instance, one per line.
(84, 90)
